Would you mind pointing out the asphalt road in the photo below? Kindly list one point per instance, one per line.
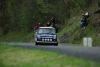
(91, 53)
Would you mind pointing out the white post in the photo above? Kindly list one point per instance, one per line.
(87, 41)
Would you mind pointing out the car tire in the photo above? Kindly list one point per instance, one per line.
(36, 43)
(56, 44)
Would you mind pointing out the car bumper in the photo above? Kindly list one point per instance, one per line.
(49, 43)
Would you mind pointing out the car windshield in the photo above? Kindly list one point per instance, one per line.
(46, 31)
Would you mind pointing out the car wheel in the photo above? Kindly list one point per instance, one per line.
(56, 44)
(36, 43)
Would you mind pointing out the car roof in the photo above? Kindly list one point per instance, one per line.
(47, 27)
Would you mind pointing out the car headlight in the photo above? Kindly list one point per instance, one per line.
(38, 36)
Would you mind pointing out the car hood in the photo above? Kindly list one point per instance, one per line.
(47, 35)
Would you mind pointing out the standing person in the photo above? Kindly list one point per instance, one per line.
(37, 25)
(48, 24)
(53, 21)
(84, 22)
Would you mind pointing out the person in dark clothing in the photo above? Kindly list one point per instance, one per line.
(53, 20)
(48, 24)
(84, 22)
(54, 24)
(37, 25)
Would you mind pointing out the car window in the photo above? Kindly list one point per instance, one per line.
(46, 31)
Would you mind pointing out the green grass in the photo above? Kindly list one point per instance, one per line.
(20, 57)
(17, 37)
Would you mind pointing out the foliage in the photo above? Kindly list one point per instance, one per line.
(22, 14)
(18, 37)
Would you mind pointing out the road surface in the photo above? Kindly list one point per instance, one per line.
(91, 53)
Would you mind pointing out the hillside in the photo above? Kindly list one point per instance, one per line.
(71, 32)
(21, 15)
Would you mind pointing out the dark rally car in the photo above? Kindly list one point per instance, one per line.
(46, 36)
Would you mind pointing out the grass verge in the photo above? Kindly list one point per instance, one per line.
(20, 57)
(17, 37)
